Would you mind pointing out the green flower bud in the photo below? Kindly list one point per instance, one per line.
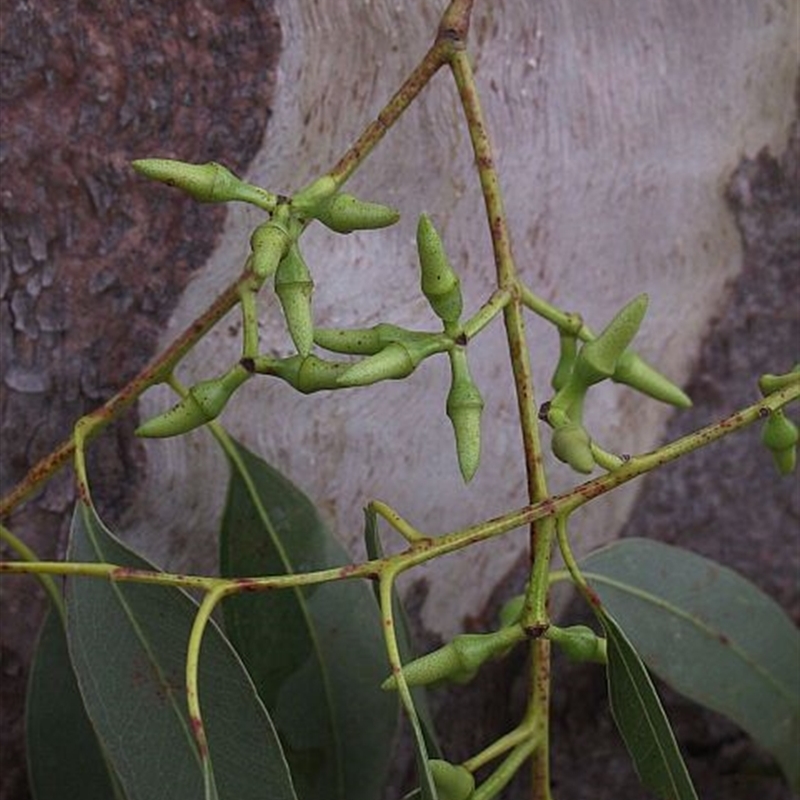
(572, 445)
(294, 286)
(269, 242)
(568, 349)
(464, 408)
(567, 403)
(394, 333)
(579, 643)
(366, 341)
(598, 359)
(208, 183)
(311, 197)
(307, 374)
(203, 403)
(608, 461)
(780, 433)
(453, 782)
(785, 460)
(780, 436)
(396, 360)
(634, 371)
(344, 213)
(440, 284)
(511, 611)
(353, 341)
(457, 661)
(772, 383)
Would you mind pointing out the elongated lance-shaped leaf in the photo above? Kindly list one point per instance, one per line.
(641, 720)
(64, 755)
(316, 654)
(128, 644)
(710, 634)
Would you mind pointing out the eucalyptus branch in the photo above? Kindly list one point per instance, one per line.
(425, 548)
(155, 372)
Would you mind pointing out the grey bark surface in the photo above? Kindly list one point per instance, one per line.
(725, 502)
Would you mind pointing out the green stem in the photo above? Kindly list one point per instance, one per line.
(535, 613)
(499, 779)
(434, 547)
(419, 78)
(563, 320)
(25, 552)
(569, 559)
(486, 313)
(393, 653)
(208, 605)
(500, 746)
(404, 528)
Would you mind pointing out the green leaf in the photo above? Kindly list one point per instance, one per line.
(426, 745)
(641, 720)
(128, 644)
(64, 756)
(710, 634)
(316, 654)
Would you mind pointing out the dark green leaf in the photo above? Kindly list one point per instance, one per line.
(710, 634)
(64, 756)
(641, 720)
(315, 654)
(128, 645)
(425, 743)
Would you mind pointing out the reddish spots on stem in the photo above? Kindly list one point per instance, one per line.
(593, 597)
(549, 507)
(83, 494)
(250, 585)
(349, 569)
(199, 736)
(121, 573)
(536, 631)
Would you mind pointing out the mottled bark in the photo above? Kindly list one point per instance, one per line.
(92, 260)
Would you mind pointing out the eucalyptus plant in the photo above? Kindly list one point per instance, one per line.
(293, 695)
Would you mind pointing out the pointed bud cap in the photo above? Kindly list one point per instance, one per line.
(464, 408)
(440, 284)
(204, 402)
(597, 359)
(635, 372)
(396, 360)
(344, 213)
(294, 288)
(208, 183)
